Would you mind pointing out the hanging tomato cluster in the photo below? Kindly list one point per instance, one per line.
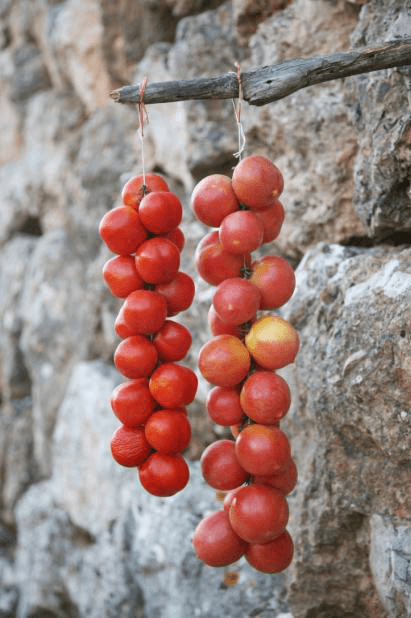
(240, 361)
(151, 406)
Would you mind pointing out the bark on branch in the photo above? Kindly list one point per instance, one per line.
(270, 83)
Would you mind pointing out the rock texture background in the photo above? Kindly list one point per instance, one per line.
(77, 536)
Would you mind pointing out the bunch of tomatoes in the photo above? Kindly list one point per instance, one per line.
(144, 232)
(240, 361)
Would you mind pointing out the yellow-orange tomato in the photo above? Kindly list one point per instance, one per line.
(272, 342)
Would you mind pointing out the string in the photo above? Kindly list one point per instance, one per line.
(143, 118)
(237, 112)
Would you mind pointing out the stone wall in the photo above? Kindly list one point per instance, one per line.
(78, 538)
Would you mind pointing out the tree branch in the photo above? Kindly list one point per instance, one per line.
(270, 83)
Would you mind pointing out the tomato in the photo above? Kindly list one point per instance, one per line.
(120, 327)
(241, 232)
(160, 212)
(144, 312)
(272, 219)
(220, 466)
(177, 237)
(172, 341)
(173, 386)
(213, 198)
(262, 451)
(168, 431)
(135, 357)
(121, 276)
(257, 182)
(265, 397)
(179, 293)
(158, 260)
(129, 446)
(219, 327)
(275, 279)
(132, 402)
(224, 360)
(272, 557)
(258, 513)
(229, 497)
(122, 230)
(223, 406)
(236, 300)
(164, 475)
(284, 482)
(134, 190)
(272, 342)
(216, 543)
(214, 265)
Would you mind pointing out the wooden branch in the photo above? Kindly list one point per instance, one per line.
(270, 83)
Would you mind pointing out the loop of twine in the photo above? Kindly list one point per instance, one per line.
(142, 118)
(237, 112)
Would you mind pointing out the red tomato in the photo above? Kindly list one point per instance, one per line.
(164, 475)
(219, 327)
(220, 466)
(121, 328)
(160, 212)
(236, 300)
(134, 190)
(177, 237)
(144, 312)
(158, 260)
(168, 431)
(179, 293)
(275, 279)
(258, 513)
(129, 446)
(122, 230)
(213, 199)
(173, 386)
(284, 482)
(241, 232)
(229, 497)
(272, 219)
(132, 402)
(257, 182)
(223, 406)
(121, 276)
(135, 357)
(214, 265)
(265, 397)
(262, 450)
(224, 360)
(216, 543)
(172, 341)
(272, 557)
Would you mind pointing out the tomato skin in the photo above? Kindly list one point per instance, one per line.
(168, 431)
(220, 466)
(121, 276)
(284, 482)
(219, 327)
(129, 446)
(275, 279)
(135, 189)
(172, 341)
(273, 342)
(121, 328)
(271, 557)
(213, 199)
(224, 407)
(132, 402)
(258, 513)
(272, 219)
(241, 232)
(144, 312)
(177, 237)
(236, 301)
(160, 212)
(164, 475)
(265, 397)
(157, 260)
(179, 293)
(224, 360)
(214, 265)
(173, 386)
(263, 451)
(122, 230)
(135, 357)
(257, 182)
(216, 543)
